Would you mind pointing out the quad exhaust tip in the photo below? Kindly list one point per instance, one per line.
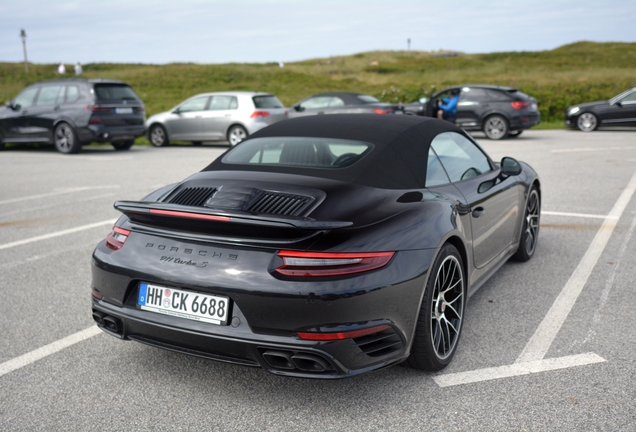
(288, 360)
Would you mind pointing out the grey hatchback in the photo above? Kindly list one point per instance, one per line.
(72, 112)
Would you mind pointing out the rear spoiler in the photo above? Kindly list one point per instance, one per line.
(179, 212)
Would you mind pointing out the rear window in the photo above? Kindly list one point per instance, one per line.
(298, 152)
(114, 92)
(368, 99)
(269, 101)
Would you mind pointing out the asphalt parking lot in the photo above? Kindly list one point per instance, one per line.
(547, 345)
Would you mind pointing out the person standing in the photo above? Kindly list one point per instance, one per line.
(61, 69)
(78, 69)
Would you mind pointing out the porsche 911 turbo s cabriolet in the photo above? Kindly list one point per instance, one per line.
(320, 247)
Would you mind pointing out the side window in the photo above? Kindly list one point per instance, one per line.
(221, 103)
(435, 174)
(49, 95)
(197, 104)
(629, 98)
(336, 102)
(25, 99)
(461, 158)
(473, 95)
(316, 102)
(72, 93)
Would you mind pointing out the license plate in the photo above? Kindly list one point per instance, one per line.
(183, 304)
(123, 110)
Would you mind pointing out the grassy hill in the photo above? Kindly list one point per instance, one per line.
(579, 72)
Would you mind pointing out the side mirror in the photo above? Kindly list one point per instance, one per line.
(510, 167)
(298, 108)
(176, 111)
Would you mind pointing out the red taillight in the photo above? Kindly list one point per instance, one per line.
(99, 108)
(190, 215)
(115, 240)
(518, 104)
(95, 120)
(381, 111)
(330, 264)
(341, 335)
(97, 295)
(259, 114)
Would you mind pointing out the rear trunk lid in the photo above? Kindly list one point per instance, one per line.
(116, 104)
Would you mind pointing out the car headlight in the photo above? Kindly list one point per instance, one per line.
(573, 110)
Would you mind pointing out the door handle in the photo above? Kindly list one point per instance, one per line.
(25, 112)
(228, 115)
(478, 212)
(57, 108)
(197, 116)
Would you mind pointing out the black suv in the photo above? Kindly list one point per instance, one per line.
(499, 112)
(72, 112)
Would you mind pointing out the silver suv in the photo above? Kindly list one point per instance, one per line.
(220, 116)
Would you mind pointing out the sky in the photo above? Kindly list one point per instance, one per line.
(247, 31)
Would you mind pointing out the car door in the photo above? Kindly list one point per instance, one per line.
(622, 112)
(218, 117)
(493, 203)
(185, 122)
(14, 123)
(472, 102)
(43, 113)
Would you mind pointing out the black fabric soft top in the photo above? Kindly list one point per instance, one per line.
(398, 159)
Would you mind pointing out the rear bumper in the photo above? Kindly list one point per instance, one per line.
(525, 121)
(266, 312)
(101, 133)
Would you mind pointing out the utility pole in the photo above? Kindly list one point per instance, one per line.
(408, 44)
(23, 36)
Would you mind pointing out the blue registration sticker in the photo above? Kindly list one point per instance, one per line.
(143, 288)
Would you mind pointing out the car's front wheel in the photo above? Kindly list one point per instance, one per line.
(65, 139)
(123, 145)
(587, 122)
(236, 134)
(441, 315)
(496, 127)
(158, 136)
(530, 233)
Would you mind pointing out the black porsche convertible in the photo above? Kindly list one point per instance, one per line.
(320, 247)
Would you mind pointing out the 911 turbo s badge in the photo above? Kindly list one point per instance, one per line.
(183, 262)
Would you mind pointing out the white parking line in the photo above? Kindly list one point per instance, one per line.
(542, 338)
(580, 215)
(56, 234)
(58, 192)
(591, 149)
(516, 369)
(47, 350)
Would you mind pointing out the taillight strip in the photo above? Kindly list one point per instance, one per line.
(190, 215)
(316, 264)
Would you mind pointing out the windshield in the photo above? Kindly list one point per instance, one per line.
(269, 101)
(368, 99)
(298, 152)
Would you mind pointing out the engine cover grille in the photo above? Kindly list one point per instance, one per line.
(193, 196)
(280, 204)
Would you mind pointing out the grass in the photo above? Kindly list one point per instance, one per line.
(575, 73)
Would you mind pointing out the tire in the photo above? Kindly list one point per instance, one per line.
(530, 229)
(65, 139)
(441, 315)
(123, 145)
(158, 136)
(514, 134)
(587, 122)
(236, 134)
(197, 143)
(1, 143)
(496, 127)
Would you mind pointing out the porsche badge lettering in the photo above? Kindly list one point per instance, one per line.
(189, 251)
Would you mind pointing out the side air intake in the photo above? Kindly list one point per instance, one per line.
(280, 204)
(193, 196)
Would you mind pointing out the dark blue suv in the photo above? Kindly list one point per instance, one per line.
(72, 112)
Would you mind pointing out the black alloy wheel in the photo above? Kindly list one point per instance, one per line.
(158, 136)
(236, 134)
(587, 122)
(530, 230)
(65, 139)
(496, 127)
(441, 315)
(197, 143)
(123, 145)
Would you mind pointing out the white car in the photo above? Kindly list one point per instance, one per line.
(219, 116)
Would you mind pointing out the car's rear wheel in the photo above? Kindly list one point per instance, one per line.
(530, 230)
(65, 139)
(158, 136)
(123, 145)
(1, 142)
(197, 143)
(587, 122)
(496, 127)
(236, 134)
(441, 315)
(514, 134)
